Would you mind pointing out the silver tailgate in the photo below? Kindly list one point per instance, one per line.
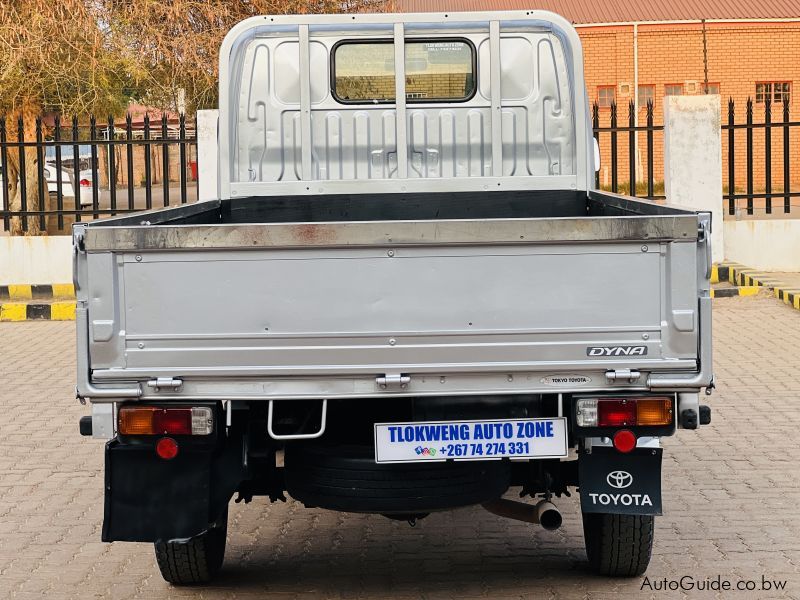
(474, 306)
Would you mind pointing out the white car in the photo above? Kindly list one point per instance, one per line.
(85, 184)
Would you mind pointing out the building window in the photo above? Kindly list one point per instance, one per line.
(711, 88)
(647, 93)
(775, 91)
(606, 95)
(673, 89)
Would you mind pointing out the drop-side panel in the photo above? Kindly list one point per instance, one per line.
(368, 311)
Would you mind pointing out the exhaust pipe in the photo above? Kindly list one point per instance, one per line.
(543, 513)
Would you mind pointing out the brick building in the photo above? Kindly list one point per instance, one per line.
(639, 51)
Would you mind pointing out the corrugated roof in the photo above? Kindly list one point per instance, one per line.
(615, 11)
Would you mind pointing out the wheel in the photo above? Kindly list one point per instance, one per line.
(618, 545)
(196, 560)
(347, 478)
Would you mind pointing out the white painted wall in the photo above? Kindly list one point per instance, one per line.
(35, 259)
(207, 152)
(693, 159)
(764, 244)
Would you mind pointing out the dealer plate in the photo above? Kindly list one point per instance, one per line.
(433, 441)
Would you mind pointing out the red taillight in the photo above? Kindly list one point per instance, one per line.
(85, 183)
(177, 421)
(624, 440)
(615, 413)
(167, 448)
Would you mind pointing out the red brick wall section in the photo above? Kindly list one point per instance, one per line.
(739, 55)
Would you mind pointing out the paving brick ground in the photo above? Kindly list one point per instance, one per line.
(732, 498)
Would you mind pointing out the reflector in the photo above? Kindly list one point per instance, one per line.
(167, 448)
(624, 440)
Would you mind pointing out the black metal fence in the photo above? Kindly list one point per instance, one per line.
(765, 159)
(630, 135)
(761, 157)
(86, 171)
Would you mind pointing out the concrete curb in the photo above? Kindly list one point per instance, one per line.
(38, 311)
(24, 292)
(745, 278)
(750, 290)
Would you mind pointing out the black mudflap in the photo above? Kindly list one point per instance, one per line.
(617, 483)
(148, 499)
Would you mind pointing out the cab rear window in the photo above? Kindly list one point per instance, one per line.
(441, 70)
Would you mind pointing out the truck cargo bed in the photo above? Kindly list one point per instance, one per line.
(317, 296)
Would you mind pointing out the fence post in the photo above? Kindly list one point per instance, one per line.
(207, 152)
(693, 158)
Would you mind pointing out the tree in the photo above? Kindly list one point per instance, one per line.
(76, 57)
(177, 41)
(60, 57)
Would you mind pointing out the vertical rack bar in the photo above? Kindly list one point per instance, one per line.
(112, 166)
(165, 158)
(42, 182)
(768, 153)
(4, 172)
(148, 192)
(787, 206)
(182, 149)
(23, 181)
(305, 102)
(614, 187)
(632, 147)
(59, 182)
(129, 158)
(496, 99)
(400, 100)
(749, 156)
(650, 175)
(731, 159)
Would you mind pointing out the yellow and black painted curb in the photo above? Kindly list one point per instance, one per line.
(749, 290)
(25, 302)
(24, 292)
(63, 310)
(750, 281)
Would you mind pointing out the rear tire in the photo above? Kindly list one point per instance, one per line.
(196, 560)
(618, 545)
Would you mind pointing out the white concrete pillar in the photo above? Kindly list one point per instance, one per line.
(693, 159)
(207, 153)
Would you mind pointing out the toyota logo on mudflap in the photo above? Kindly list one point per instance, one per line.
(619, 479)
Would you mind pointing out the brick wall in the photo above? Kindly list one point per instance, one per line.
(429, 85)
(739, 55)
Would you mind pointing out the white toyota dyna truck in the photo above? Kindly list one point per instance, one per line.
(407, 298)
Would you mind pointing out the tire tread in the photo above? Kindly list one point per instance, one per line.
(192, 561)
(618, 545)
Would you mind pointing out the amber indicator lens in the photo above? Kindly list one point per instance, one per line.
(136, 420)
(654, 411)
